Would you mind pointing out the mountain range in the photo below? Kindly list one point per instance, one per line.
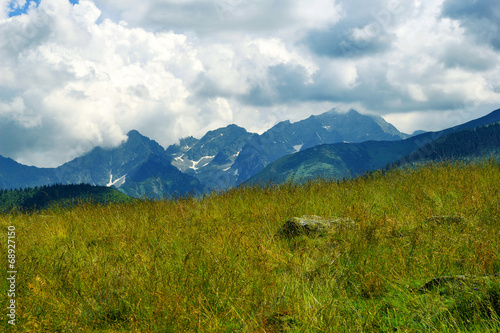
(139, 167)
(288, 138)
(229, 156)
(474, 139)
(331, 144)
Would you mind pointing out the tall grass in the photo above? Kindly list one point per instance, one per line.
(214, 264)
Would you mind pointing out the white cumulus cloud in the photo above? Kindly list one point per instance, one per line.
(76, 76)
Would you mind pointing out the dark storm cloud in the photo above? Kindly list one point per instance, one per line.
(372, 89)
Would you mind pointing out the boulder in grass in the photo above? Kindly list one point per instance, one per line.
(312, 225)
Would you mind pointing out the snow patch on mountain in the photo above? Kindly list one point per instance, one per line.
(118, 182)
(196, 164)
(110, 180)
(298, 147)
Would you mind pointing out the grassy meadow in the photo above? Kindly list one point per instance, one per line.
(214, 264)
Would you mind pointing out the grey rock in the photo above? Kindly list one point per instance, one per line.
(313, 225)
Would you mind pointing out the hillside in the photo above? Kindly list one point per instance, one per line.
(37, 198)
(156, 178)
(335, 161)
(420, 253)
(480, 142)
(15, 175)
(340, 160)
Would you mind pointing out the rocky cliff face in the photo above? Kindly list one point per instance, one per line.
(210, 158)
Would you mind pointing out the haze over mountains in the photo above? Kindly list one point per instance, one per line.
(331, 144)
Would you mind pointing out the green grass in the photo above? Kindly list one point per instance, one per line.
(215, 265)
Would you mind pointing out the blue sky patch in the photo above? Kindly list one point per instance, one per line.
(15, 10)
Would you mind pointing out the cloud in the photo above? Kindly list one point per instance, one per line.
(76, 76)
(222, 17)
(362, 30)
(78, 81)
(68, 77)
(348, 41)
(464, 54)
(480, 18)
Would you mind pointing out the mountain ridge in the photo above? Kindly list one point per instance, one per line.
(329, 127)
(343, 160)
(111, 167)
(229, 156)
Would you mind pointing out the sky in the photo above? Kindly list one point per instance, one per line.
(79, 74)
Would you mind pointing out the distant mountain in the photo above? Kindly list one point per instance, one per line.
(333, 161)
(209, 158)
(124, 166)
(61, 195)
(139, 167)
(330, 145)
(16, 175)
(110, 166)
(287, 138)
(157, 178)
(182, 147)
(480, 142)
(418, 132)
(343, 160)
